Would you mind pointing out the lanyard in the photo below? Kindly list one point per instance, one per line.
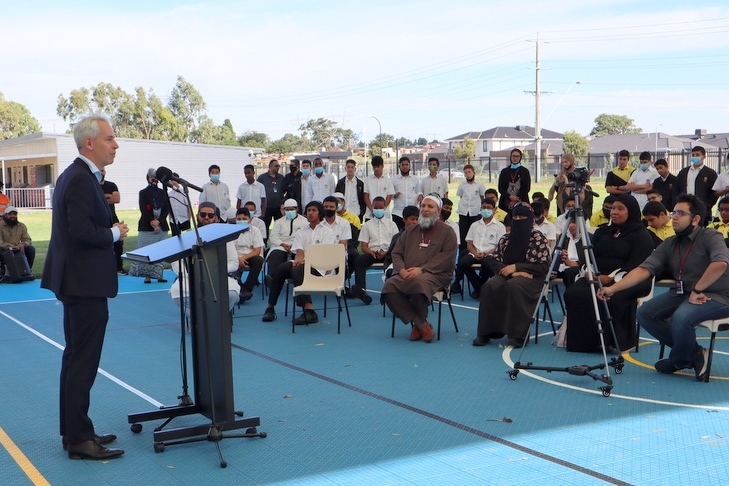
(682, 261)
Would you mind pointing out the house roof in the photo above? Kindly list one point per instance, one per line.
(519, 132)
(639, 142)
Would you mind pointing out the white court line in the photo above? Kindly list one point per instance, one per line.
(53, 298)
(113, 378)
(506, 356)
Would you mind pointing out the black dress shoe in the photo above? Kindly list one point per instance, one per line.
(101, 439)
(308, 317)
(244, 296)
(269, 315)
(90, 449)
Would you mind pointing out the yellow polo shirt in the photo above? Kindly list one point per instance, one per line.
(665, 231)
(722, 228)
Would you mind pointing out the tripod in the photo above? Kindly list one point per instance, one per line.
(593, 276)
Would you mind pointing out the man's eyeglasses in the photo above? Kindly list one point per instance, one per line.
(678, 213)
(206, 215)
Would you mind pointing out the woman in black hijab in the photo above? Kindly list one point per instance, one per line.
(519, 264)
(514, 182)
(619, 247)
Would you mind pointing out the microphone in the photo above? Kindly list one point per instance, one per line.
(165, 175)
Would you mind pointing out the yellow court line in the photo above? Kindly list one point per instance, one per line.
(28, 468)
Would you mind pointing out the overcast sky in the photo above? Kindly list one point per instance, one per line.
(431, 69)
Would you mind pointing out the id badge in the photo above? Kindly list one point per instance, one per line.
(679, 287)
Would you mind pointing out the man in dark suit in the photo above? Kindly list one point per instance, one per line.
(353, 189)
(80, 269)
(697, 179)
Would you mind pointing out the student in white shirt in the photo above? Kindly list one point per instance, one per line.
(641, 180)
(469, 207)
(215, 191)
(251, 190)
(542, 224)
(249, 247)
(341, 228)
(321, 184)
(434, 183)
(375, 238)
(313, 233)
(481, 240)
(377, 184)
(282, 235)
(407, 191)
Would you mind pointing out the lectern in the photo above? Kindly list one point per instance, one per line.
(210, 324)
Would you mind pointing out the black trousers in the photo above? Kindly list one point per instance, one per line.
(361, 264)
(254, 270)
(84, 327)
(465, 222)
(464, 267)
(280, 274)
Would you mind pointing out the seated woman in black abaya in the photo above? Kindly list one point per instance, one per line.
(520, 264)
(618, 247)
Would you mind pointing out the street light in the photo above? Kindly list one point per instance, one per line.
(380, 124)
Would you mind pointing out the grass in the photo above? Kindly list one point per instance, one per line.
(39, 222)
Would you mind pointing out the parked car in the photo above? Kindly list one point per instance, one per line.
(455, 174)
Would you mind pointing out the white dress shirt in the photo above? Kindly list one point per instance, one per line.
(340, 227)
(312, 236)
(485, 236)
(378, 233)
(381, 186)
(248, 241)
(409, 189)
(471, 195)
(437, 184)
(255, 192)
(218, 194)
(350, 195)
(317, 188)
(284, 230)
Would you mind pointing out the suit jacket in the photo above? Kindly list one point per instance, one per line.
(146, 208)
(360, 194)
(80, 260)
(704, 182)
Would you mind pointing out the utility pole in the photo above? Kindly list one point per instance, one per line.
(537, 116)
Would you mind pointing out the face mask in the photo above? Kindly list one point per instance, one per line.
(340, 207)
(305, 172)
(318, 170)
(685, 232)
(606, 212)
(695, 160)
(433, 170)
(445, 215)
(515, 166)
(329, 213)
(643, 166)
(244, 224)
(487, 213)
(215, 177)
(471, 179)
(291, 215)
(378, 213)
(292, 168)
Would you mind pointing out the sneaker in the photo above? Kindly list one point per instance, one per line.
(665, 366)
(481, 341)
(308, 317)
(269, 315)
(415, 334)
(701, 365)
(427, 332)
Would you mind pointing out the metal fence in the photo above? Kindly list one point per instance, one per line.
(31, 197)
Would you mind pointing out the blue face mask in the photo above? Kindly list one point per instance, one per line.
(644, 167)
(340, 207)
(515, 166)
(378, 213)
(305, 172)
(215, 177)
(291, 215)
(318, 170)
(696, 160)
(244, 224)
(487, 213)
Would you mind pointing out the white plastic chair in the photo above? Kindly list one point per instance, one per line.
(329, 260)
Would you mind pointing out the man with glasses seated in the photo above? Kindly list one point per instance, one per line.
(698, 261)
(208, 213)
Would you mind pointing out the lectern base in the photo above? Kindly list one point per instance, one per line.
(213, 432)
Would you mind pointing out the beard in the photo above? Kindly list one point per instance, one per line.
(427, 222)
(11, 222)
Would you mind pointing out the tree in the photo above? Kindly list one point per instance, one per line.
(403, 142)
(421, 141)
(575, 144)
(228, 134)
(381, 141)
(254, 139)
(321, 132)
(614, 125)
(16, 120)
(345, 138)
(289, 144)
(465, 149)
(188, 107)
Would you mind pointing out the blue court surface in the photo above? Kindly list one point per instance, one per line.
(359, 407)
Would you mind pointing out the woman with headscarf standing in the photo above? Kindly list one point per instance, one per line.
(515, 182)
(519, 263)
(152, 227)
(618, 247)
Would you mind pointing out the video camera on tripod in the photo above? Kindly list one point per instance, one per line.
(578, 178)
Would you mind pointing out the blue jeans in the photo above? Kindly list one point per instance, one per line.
(672, 320)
